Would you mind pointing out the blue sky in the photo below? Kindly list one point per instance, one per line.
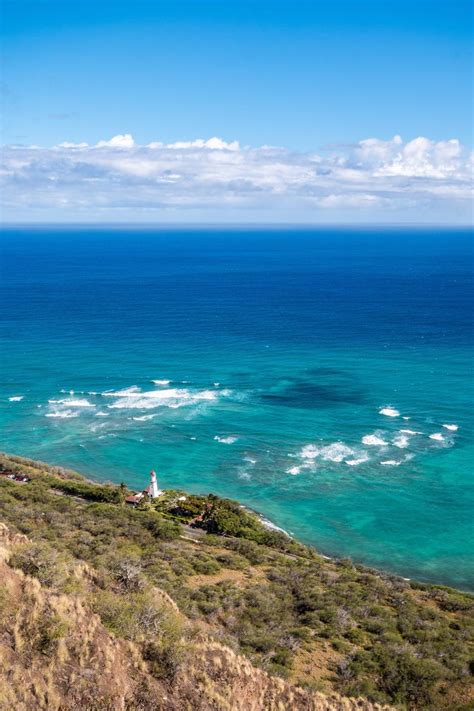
(310, 77)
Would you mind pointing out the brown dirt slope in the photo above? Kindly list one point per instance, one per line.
(56, 655)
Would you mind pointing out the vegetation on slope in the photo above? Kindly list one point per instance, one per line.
(166, 586)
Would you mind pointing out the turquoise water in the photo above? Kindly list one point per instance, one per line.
(281, 349)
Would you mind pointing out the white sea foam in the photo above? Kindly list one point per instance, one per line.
(293, 470)
(102, 414)
(64, 414)
(359, 460)
(125, 392)
(96, 428)
(16, 398)
(134, 398)
(161, 382)
(452, 428)
(249, 460)
(411, 432)
(272, 526)
(401, 441)
(405, 418)
(390, 463)
(336, 452)
(374, 440)
(72, 402)
(242, 474)
(389, 412)
(143, 418)
(226, 440)
(438, 436)
(309, 451)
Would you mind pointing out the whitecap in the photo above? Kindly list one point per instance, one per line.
(293, 470)
(161, 382)
(143, 418)
(226, 440)
(125, 392)
(360, 460)
(390, 463)
(374, 440)
(401, 441)
(65, 414)
(452, 428)
(309, 451)
(389, 412)
(411, 432)
(171, 397)
(336, 452)
(72, 402)
(405, 418)
(102, 414)
(438, 436)
(249, 460)
(16, 398)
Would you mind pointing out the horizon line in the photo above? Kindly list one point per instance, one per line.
(239, 225)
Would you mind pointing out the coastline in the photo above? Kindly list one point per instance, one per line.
(322, 625)
(264, 520)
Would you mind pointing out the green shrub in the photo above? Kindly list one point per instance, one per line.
(52, 628)
(158, 526)
(42, 561)
(138, 616)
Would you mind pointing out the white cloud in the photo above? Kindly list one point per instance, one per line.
(124, 140)
(370, 180)
(68, 144)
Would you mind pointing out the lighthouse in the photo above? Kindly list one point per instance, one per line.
(152, 489)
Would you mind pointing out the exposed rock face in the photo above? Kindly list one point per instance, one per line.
(56, 655)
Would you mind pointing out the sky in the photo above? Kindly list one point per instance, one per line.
(236, 111)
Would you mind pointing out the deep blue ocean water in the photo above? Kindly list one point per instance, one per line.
(281, 348)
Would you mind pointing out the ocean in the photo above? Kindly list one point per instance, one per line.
(322, 377)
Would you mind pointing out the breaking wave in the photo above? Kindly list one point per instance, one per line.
(135, 399)
(64, 414)
(374, 440)
(72, 402)
(389, 412)
(226, 440)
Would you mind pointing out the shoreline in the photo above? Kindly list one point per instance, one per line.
(220, 572)
(263, 519)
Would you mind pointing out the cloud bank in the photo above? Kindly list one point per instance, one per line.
(373, 180)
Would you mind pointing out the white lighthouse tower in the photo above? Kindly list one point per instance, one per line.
(152, 489)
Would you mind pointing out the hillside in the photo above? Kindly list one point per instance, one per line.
(106, 606)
